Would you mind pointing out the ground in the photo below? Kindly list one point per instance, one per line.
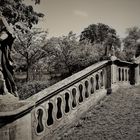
(117, 117)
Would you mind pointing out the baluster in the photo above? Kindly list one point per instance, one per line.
(117, 73)
(92, 85)
(89, 87)
(103, 74)
(120, 74)
(123, 74)
(97, 82)
(128, 75)
(74, 98)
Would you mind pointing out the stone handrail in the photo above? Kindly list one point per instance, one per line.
(66, 83)
(41, 115)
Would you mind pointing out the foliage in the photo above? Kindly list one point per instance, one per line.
(19, 14)
(121, 55)
(67, 55)
(28, 89)
(59, 51)
(28, 48)
(97, 33)
(101, 34)
(36, 1)
(131, 43)
(86, 55)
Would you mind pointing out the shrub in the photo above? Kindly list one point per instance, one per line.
(28, 89)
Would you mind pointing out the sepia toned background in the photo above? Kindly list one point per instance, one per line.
(65, 15)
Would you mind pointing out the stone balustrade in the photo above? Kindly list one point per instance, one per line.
(58, 106)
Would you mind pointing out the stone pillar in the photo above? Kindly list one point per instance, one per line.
(17, 130)
(15, 118)
(108, 78)
(113, 70)
(134, 77)
(113, 74)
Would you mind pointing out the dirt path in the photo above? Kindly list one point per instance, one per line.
(115, 118)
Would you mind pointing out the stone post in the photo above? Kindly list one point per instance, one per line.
(137, 76)
(108, 78)
(15, 118)
(18, 130)
(135, 72)
(113, 70)
(111, 75)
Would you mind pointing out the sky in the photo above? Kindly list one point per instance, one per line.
(62, 16)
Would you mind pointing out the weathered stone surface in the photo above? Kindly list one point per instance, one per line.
(38, 110)
(8, 102)
(17, 130)
(74, 115)
(65, 82)
(117, 117)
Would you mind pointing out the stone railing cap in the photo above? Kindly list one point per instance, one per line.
(65, 82)
(10, 105)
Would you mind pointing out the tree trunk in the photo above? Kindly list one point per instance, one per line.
(27, 72)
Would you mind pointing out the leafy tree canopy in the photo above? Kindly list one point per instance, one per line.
(132, 43)
(19, 14)
(59, 50)
(101, 34)
(98, 33)
(67, 55)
